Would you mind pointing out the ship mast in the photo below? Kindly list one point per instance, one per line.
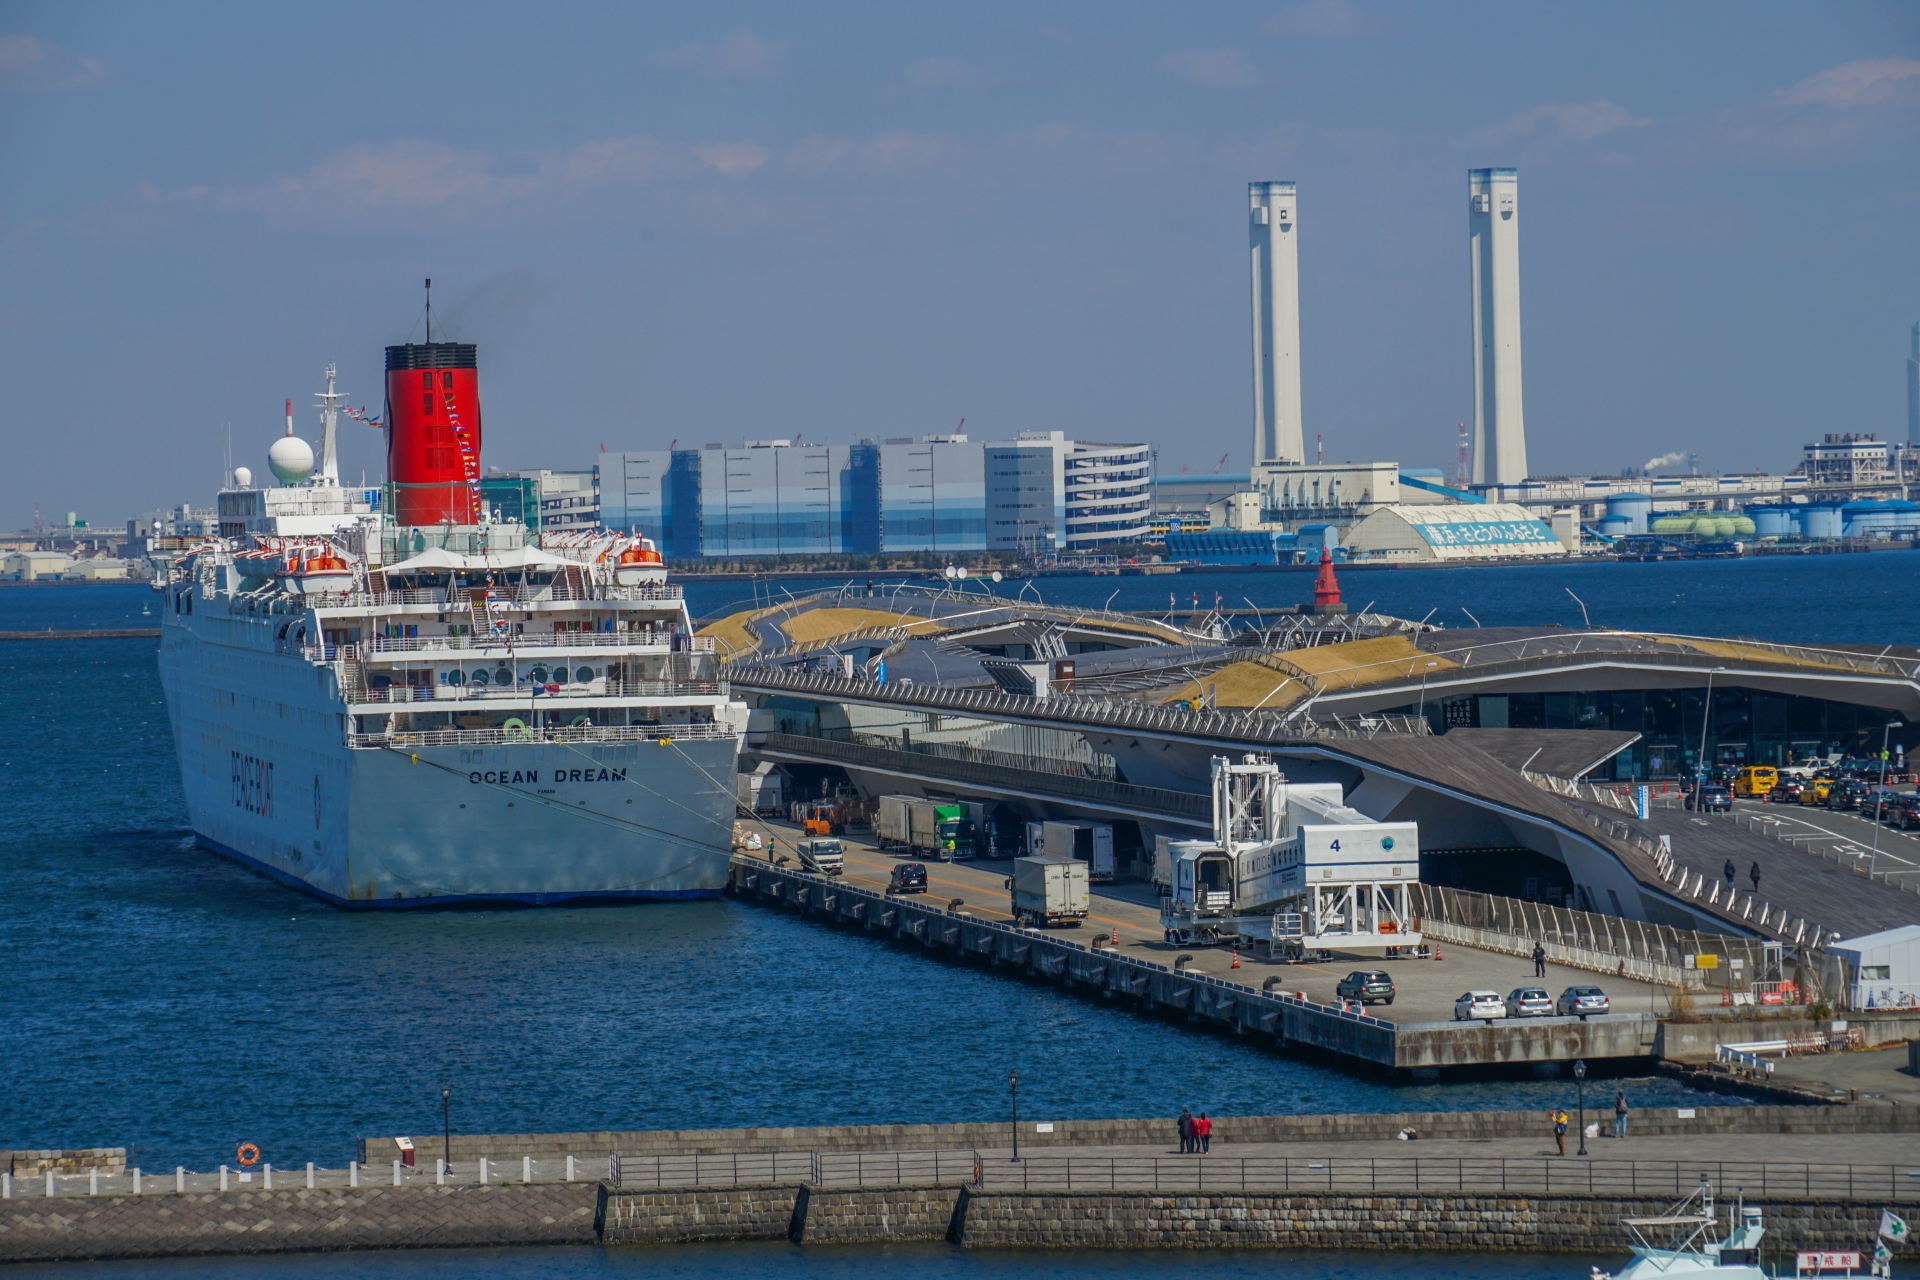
(328, 403)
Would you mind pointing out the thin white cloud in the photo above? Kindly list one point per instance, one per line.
(936, 72)
(1854, 84)
(1323, 18)
(1582, 120)
(1212, 66)
(733, 157)
(30, 63)
(894, 151)
(739, 53)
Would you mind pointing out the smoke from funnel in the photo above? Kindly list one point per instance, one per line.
(1664, 460)
(483, 312)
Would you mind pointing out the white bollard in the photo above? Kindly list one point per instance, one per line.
(6, 1185)
(93, 1181)
(353, 1173)
(179, 1179)
(266, 1177)
(223, 1177)
(483, 1171)
(50, 1189)
(396, 1173)
(569, 1168)
(309, 1175)
(136, 1182)
(526, 1168)
(439, 1172)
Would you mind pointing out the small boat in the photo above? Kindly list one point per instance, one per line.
(1679, 1243)
(638, 563)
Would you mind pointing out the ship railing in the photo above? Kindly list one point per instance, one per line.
(406, 740)
(650, 637)
(526, 690)
(457, 596)
(1039, 1170)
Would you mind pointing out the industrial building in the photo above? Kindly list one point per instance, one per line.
(1039, 493)
(1458, 532)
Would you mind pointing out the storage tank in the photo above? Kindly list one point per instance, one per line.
(1615, 526)
(1682, 523)
(1741, 526)
(1878, 519)
(1635, 508)
(433, 432)
(1772, 520)
(1820, 520)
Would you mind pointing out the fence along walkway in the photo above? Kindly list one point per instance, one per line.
(1359, 1174)
(144, 1182)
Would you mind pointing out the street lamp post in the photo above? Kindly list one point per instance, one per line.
(1013, 1092)
(1580, 1082)
(1706, 718)
(1423, 688)
(446, 1126)
(1880, 796)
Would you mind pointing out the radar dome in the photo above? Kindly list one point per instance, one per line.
(242, 477)
(291, 459)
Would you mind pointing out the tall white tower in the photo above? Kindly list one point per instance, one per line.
(1913, 387)
(1276, 324)
(1499, 426)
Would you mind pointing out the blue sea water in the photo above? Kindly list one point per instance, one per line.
(828, 1262)
(162, 998)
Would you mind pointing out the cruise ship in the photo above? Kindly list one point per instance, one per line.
(397, 698)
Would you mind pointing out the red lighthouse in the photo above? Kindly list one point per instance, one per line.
(433, 432)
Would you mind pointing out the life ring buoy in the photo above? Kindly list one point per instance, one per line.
(248, 1155)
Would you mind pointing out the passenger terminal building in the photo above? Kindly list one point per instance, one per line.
(1036, 494)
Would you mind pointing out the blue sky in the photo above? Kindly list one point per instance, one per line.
(716, 222)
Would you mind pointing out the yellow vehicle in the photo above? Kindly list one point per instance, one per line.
(1755, 780)
(1815, 791)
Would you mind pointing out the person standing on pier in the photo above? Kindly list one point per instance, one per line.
(1619, 1113)
(1560, 1129)
(1539, 961)
(1753, 874)
(1203, 1129)
(1732, 871)
(1186, 1132)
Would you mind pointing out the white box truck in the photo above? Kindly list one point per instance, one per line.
(1049, 891)
(821, 855)
(1090, 843)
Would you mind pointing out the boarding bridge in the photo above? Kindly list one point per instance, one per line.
(1292, 867)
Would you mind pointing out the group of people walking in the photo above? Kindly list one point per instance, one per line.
(1196, 1133)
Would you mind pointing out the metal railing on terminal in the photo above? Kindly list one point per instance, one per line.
(408, 739)
(1248, 727)
(266, 1177)
(1582, 939)
(977, 773)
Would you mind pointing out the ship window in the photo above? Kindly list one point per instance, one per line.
(446, 380)
(426, 380)
(480, 677)
(584, 675)
(539, 675)
(454, 676)
(559, 675)
(503, 676)
(426, 403)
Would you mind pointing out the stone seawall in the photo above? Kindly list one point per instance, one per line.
(1468, 1125)
(800, 1214)
(74, 1227)
(1482, 1223)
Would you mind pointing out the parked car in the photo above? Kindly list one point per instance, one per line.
(1847, 793)
(1882, 803)
(1712, 797)
(1368, 987)
(1529, 1002)
(1475, 1005)
(1816, 789)
(1904, 812)
(908, 877)
(1787, 791)
(1578, 1002)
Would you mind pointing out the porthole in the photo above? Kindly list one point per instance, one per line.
(584, 675)
(480, 677)
(539, 675)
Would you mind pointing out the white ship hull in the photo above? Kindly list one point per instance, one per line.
(270, 780)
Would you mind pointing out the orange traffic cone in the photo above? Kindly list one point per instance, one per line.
(1726, 997)
(1436, 951)
(1116, 936)
(1236, 958)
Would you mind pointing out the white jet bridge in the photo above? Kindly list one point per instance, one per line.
(1292, 867)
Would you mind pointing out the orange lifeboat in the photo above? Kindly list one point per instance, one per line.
(639, 563)
(322, 571)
